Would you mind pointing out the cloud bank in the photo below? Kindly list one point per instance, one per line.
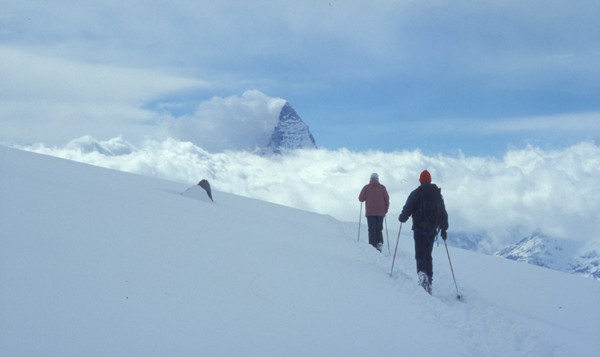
(233, 123)
(53, 99)
(504, 198)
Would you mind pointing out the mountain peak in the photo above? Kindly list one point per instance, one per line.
(290, 133)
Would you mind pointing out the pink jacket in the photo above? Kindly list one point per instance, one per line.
(376, 197)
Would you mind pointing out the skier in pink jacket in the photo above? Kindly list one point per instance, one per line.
(377, 203)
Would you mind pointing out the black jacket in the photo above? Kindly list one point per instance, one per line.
(413, 204)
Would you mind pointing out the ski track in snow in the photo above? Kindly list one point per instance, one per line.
(480, 324)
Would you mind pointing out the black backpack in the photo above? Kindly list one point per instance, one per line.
(429, 205)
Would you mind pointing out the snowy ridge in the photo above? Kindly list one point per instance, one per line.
(97, 262)
(290, 133)
(574, 257)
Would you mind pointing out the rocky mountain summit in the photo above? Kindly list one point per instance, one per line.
(290, 133)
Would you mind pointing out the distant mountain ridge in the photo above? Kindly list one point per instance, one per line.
(566, 255)
(569, 256)
(290, 133)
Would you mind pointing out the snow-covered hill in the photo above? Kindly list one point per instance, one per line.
(95, 262)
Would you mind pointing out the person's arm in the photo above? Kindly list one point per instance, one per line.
(362, 197)
(444, 215)
(407, 210)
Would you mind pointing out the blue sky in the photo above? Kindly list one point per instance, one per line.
(440, 76)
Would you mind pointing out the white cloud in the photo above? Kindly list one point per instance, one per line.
(232, 123)
(561, 123)
(508, 198)
(34, 76)
(53, 99)
(581, 123)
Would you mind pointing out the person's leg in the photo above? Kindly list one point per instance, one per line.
(379, 231)
(428, 262)
(423, 248)
(421, 251)
(372, 224)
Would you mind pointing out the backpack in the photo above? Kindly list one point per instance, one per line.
(429, 205)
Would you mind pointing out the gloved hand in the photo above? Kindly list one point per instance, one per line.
(444, 235)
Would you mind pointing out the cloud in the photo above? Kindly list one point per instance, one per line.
(53, 99)
(569, 123)
(59, 79)
(506, 198)
(232, 123)
(574, 122)
(60, 99)
(318, 39)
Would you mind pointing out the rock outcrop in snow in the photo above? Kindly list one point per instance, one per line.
(290, 133)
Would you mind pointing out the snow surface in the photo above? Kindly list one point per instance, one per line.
(95, 262)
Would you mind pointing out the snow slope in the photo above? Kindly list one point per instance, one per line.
(95, 262)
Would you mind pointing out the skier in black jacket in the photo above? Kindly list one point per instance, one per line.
(426, 206)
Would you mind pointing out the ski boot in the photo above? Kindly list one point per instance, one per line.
(425, 282)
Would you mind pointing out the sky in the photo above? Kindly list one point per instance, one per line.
(109, 263)
(439, 76)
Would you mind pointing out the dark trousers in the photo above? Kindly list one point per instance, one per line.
(375, 224)
(424, 240)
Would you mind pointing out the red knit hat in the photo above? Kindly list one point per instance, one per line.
(425, 177)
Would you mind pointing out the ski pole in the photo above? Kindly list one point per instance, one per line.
(359, 218)
(395, 250)
(386, 233)
(452, 270)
